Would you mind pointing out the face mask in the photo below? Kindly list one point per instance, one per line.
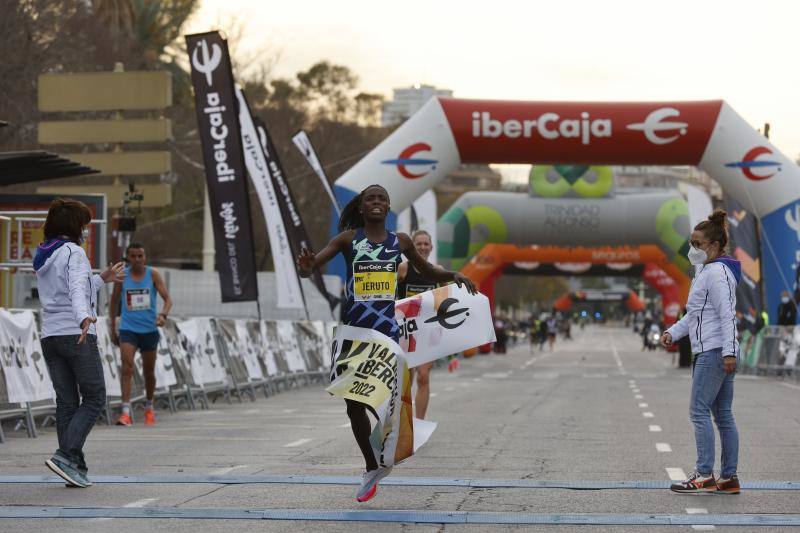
(785, 299)
(696, 256)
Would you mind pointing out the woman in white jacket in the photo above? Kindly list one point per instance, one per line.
(68, 293)
(710, 322)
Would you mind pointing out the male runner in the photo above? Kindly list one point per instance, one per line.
(138, 329)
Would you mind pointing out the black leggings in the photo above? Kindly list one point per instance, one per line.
(359, 422)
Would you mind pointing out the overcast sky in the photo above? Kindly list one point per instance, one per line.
(743, 52)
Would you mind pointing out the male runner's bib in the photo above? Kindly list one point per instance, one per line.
(372, 283)
(138, 303)
(414, 284)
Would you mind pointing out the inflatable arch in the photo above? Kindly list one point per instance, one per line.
(708, 134)
(629, 298)
(665, 277)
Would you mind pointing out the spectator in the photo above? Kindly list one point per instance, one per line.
(787, 310)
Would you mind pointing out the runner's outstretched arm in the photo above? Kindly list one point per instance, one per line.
(429, 271)
(307, 261)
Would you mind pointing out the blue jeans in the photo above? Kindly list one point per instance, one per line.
(712, 393)
(75, 367)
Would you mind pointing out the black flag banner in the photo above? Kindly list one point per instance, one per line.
(298, 236)
(745, 247)
(218, 127)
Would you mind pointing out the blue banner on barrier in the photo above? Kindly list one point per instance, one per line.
(780, 243)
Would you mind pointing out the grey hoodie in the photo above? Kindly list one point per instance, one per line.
(67, 291)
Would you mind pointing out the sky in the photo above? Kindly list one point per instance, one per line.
(613, 50)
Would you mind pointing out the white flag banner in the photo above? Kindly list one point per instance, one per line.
(424, 209)
(303, 143)
(289, 346)
(109, 356)
(204, 357)
(24, 367)
(288, 284)
(441, 322)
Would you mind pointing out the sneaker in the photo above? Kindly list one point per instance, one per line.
(149, 417)
(729, 485)
(67, 473)
(124, 420)
(369, 483)
(695, 483)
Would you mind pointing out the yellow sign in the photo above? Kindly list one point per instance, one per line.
(374, 280)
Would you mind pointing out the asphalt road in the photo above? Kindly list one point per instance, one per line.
(596, 409)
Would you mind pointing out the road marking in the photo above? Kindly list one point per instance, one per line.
(252, 411)
(476, 379)
(654, 428)
(223, 471)
(434, 394)
(495, 375)
(663, 447)
(635, 390)
(296, 443)
(676, 474)
(133, 505)
(789, 385)
(643, 405)
(449, 389)
(345, 425)
(699, 510)
(647, 414)
(616, 357)
(631, 381)
(289, 411)
(598, 375)
(638, 397)
(632, 385)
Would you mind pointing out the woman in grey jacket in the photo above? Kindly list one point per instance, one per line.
(68, 293)
(710, 322)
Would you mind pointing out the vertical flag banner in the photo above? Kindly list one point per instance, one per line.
(744, 246)
(218, 128)
(303, 143)
(422, 214)
(290, 294)
(295, 228)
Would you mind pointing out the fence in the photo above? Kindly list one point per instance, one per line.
(199, 360)
(772, 351)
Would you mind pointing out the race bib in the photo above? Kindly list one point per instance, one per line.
(374, 280)
(138, 299)
(413, 290)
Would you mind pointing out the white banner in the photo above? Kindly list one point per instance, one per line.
(24, 367)
(425, 210)
(109, 356)
(248, 350)
(369, 367)
(273, 359)
(288, 284)
(441, 322)
(303, 143)
(204, 357)
(165, 366)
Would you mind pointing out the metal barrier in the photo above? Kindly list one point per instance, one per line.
(773, 351)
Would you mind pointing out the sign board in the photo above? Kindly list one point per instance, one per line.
(105, 91)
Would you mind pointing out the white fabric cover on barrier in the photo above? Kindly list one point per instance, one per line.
(110, 357)
(289, 346)
(204, 358)
(26, 376)
(248, 350)
(165, 366)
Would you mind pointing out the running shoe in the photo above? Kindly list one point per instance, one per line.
(67, 473)
(695, 483)
(728, 485)
(149, 417)
(124, 420)
(369, 483)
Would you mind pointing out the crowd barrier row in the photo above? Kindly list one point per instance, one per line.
(198, 361)
(772, 351)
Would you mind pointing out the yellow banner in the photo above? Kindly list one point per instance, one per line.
(366, 371)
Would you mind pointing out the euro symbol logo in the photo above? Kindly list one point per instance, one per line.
(654, 123)
(444, 313)
(207, 64)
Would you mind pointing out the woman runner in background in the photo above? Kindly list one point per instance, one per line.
(364, 239)
(411, 283)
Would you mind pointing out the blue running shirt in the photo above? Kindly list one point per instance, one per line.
(372, 283)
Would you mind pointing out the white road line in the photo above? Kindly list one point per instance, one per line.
(654, 428)
(476, 379)
(223, 471)
(252, 411)
(631, 381)
(699, 510)
(638, 397)
(647, 414)
(632, 385)
(136, 504)
(676, 474)
(643, 405)
(345, 425)
(637, 391)
(663, 447)
(296, 443)
(616, 357)
(449, 389)
(788, 385)
(288, 411)
(434, 394)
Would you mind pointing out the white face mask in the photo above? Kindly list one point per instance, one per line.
(785, 299)
(696, 256)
